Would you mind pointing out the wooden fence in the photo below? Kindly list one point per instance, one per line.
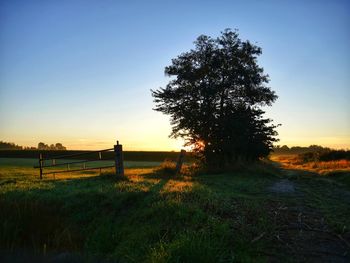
(77, 160)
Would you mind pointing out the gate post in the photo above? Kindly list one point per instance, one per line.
(41, 165)
(180, 161)
(119, 162)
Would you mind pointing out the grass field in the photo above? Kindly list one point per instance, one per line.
(262, 214)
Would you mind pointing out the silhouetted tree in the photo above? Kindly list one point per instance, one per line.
(60, 147)
(215, 97)
(43, 146)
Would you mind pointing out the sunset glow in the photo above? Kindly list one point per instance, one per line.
(81, 73)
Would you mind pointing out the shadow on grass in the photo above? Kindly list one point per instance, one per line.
(60, 217)
(136, 219)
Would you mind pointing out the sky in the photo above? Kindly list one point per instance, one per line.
(80, 72)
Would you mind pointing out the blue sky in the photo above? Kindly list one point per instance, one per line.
(80, 72)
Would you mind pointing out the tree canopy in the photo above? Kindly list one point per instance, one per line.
(58, 146)
(215, 99)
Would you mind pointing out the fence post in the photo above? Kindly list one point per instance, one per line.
(180, 161)
(41, 165)
(119, 165)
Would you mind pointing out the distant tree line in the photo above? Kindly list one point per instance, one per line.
(57, 146)
(313, 153)
(9, 146)
(41, 146)
(299, 150)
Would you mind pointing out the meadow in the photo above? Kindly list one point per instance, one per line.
(261, 213)
(339, 169)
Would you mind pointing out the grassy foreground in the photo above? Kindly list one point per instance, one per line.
(261, 214)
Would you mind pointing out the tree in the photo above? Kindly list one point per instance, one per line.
(215, 97)
(60, 147)
(43, 146)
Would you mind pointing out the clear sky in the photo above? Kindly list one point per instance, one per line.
(80, 72)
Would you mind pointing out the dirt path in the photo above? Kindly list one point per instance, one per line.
(283, 186)
(302, 231)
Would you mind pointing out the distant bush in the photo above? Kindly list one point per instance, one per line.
(309, 157)
(335, 155)
(327, 155)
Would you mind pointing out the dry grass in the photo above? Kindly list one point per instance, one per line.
(320, 167)
(168, 168)
(177, 186)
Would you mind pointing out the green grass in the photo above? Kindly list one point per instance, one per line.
(150, 216)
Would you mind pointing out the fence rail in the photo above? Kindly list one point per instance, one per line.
(118, 161)
(68, 163)
(79, 154)
(77, 170)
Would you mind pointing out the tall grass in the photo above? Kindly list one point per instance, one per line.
(322, 167)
